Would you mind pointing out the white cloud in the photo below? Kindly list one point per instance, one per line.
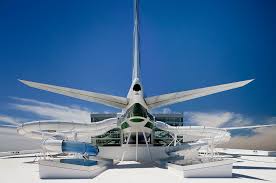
(42, 110)
(52, 111)
(166, 110)
(260, 139)
(11, 120)
(264, 139)
(11, 141)
(216, 119)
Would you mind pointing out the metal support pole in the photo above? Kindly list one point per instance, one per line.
(121, 137)
(123, 155)
(175, 139)
(43, 148)
(75, 136)
(128, 138)
(147, 145)
(170, 143)
(212, 148)
(136, 146)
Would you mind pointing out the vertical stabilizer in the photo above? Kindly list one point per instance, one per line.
(136, 43)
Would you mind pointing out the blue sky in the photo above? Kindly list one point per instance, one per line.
(184, 45)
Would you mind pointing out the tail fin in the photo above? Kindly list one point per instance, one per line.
(136, 43)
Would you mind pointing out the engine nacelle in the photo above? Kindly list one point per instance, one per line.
(65, 146)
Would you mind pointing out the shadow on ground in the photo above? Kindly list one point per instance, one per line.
(138, 165)
(254, 168)
(237, 175)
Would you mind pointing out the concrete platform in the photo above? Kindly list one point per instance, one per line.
(128, 153)
(216, 169)
(246, 169)
(71, 168)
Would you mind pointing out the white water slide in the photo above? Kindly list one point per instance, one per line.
(65, 129)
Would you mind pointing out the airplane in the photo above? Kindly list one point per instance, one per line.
(135, 117)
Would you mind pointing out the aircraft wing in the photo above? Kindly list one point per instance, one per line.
(172, 98)
(109, 100)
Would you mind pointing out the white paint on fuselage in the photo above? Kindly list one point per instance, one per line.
(133, 98)
(136, 96)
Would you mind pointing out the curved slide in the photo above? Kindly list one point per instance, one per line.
(216, 135)
(64, 129)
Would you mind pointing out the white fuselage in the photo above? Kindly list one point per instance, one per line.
(135, 117)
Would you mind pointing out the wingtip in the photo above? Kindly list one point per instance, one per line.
(22, 81)
(245, 82)
(25, 82)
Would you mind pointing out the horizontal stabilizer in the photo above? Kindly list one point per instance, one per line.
(172, 98)
(109, 100)
(249, 127)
